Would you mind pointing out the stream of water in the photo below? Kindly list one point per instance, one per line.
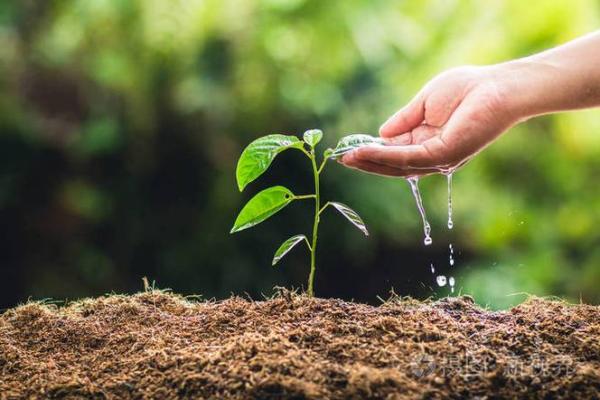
(441, 280)
(414, 186)
(450, 222)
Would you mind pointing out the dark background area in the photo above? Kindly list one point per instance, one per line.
(121, 122)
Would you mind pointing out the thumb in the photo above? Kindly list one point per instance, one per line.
(405, 120)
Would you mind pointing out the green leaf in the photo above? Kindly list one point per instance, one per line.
(312, 137)
(351, 142)
(287, 246)
(258, 156)
(262, 206)
(351, 216)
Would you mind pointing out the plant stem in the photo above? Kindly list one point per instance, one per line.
(313, 249)
(324, 207)
(322, 165)
(304, 196)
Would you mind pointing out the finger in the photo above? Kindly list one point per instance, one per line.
(373, 168)
(407, 119)
(411, 156)
(418, 135)
(386, 170)
(400, 140)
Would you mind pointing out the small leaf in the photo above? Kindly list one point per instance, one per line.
(258, 156)
(287, 246)
(312, 137)
(351, 142)
(262, 206)
(351, 216)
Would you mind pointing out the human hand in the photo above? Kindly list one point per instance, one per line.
(451, 119)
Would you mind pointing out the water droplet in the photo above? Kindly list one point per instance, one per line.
(441, 280)
(450, 222)
(451, 261)
(451, 282)
(432, 269)
(427, 241)
(414, 186)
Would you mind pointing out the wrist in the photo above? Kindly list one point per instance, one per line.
(542, 84)
(528, 87)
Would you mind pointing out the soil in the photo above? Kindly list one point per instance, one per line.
(157, 345)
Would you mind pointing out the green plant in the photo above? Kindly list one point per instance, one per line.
(256, 159)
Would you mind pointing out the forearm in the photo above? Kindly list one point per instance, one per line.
(564, 78)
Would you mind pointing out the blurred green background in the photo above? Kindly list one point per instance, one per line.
(121, 122)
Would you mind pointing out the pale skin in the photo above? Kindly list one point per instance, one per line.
(461, 111)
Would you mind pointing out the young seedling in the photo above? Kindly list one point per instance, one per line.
(256, 159)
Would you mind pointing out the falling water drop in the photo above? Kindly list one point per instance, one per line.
(432, 269)
(451, 282)
(451, 257)
(441, 280)
(450, 222)
(414, 186)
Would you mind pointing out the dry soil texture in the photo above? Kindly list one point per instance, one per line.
(161, 346)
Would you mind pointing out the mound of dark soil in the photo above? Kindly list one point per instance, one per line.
(161, 346)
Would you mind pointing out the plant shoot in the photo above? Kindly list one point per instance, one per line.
(256, 159)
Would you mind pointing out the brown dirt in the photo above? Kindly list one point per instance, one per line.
(159, 345)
